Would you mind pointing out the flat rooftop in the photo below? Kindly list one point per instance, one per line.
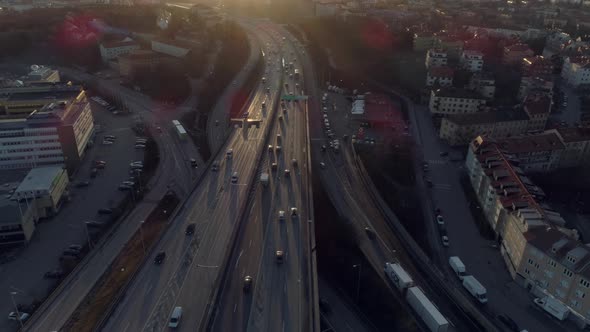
(40, 178)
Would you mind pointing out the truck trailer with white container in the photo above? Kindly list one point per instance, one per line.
(475, 289)
(457, 266)
(400, 278)
(553, 307)
(427, 311)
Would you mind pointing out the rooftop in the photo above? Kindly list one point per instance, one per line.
(118, 43)
(40, 178)
(517, 48)
(570, 135)
(488, 117)
(537, 104)
(531, 143)
(443, 71)
(452, 92)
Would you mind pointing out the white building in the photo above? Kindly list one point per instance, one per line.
(436, 58)
(46, 187)
(472, 60)
(172, 48)
(443, 76)
(455, 101)
(41, 74)
(111, 50)
(484, 84)
(576, 70)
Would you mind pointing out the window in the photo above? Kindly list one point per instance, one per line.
(526, 270)
(580, 294)
(567, 272)
(585, 283)
(530, 261)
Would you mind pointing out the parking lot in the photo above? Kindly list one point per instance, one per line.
(25, 274)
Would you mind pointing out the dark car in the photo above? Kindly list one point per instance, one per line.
(105, 211)
(247, 284)
(511, 324)
(325, 306)
(55, 274)
(82, 184)
(370, 233)
(190, 229)
(70, 252)
(93, 172)
(160, 257)
(444, 154)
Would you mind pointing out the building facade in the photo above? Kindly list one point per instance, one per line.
(472, 60)
(112, 50)
(423, 41)
(537, 66)
(538, 108)
(441, 76)
(435, 58)
(534, 85)
(46, 187)
(576, 70)
(484, 84)
(514, 54)
(137, 61)
(455, 101)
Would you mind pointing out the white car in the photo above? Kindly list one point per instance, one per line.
(229, 153)
(139, 146)
(281, 215)
(107, 143)
(445, 240)
(14, 316)
(440, 220)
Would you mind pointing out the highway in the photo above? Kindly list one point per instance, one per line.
(280, 298)
(188, 276)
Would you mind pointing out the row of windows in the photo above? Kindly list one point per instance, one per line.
(30, 142)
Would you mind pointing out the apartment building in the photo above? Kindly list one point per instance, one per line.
(17, 221)
(538, 108)
(534, 85)
(435, 57)
(113, 49)
(137, 61)
(472, 60)
(555, 43)
(514, 54)
(56, 134)
(423, 41)
(576, 143)
(536, 153)
(172, 48)
(451, 100)
(440, 76)
(484, 84)
(537, 66)
(460, 129)
(453, 45)
(576, 70)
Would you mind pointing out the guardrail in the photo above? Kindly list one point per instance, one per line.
(417, 254)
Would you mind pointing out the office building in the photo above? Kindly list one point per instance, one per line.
(113, 49)
(451, 100)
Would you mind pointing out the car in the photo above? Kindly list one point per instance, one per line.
(294, 162)
(270, 148)
(293, 212)
(128, 183)
(81, 184)
(159, 129)
(75, 247)
(160, 257)
(322, 165)
(247, 284)
(136, 166)
(229, 153)
(281, 215)
(444, 153)
(105, 211)
(234, 177)
(55, 274)
(139, 146)
(112, 137)
(429, 183)
(445, 240)
(100, 162)
(287, 172)
(140, 142)
(279, 137)
(370, 233)
(278, 148)
(215, 166)
(323, 148)
(279, 256)
(125, 187)
(193, 162)
(175, 317)
(509, 322)
(21, 316)
(107, 142)
(92, 223)
(274, 166)
(190, 229)
(440, 220)
(136, 163)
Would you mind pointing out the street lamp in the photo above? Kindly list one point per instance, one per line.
(358, 281)
(141, 222)
(12, 294)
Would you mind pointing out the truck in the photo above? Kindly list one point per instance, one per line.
(475, 289)
(400, 278)
(457, 266)
(554, 307)
(432, 318)
(264, 179)
(181, 132)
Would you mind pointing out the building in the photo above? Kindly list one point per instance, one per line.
(377, 110)
(441, 76)
(17, 221)
(41, 74)
(55, 134)
(453, 45)
(472, 60)
(538, 107)
(112, 50)
(555, 43)
(576, 70)
(577, 146)
(484, 84)
(455, 101)
(537, 66)
(536, 153)
(172, 48)
(534, 85)
(460, 129)
(514, 54)
(46, 187)
(19, 102)
(139, 60)
(435, 58)
(423, 41)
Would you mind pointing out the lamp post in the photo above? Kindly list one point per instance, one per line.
(12, 294)
(141, 234)
(358, 281)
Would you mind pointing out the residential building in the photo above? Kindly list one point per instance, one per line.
(172, 48)
(537, 66)
(577, 146)
(460, 129)
(535, 153)
(423, 41)
(46, 187)
(113, 49)
(451, 100)
(576, 70)
(453, 45)
(436, 58)
(440, 76)
(514, 54)
(534, 85)
(538, 108)
(17, 221)
(55, 134)
(472, 60)
(484, 84)
(137, 61)
(556, 43)
(42, 74)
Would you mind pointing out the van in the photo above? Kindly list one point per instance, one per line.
(175, 317)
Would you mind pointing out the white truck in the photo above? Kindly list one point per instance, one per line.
(457, 266)
(553, 307)
(400, 278)
(475, 289)
(427, 311)
(264, 179)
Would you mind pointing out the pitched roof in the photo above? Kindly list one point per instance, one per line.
(443, 71)
(531, 143)
(537, 104)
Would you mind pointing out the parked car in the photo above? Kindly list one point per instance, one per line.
(105, 211)
(279, 256)
(92, 223)
(281, 215)
(190, 229)
(445, 240)
(440, 220)
(509, 322)
(215, 166)
(81, 184)
(160, 257)
(21, 316)
(287, 173)
(293, 212)
(55, 274)
(247, 284)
